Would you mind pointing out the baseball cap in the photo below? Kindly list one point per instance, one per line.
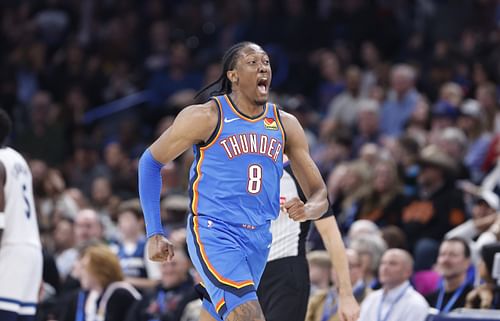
(489, 198)
(471, 108)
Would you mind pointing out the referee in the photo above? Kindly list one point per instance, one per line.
(284, 287)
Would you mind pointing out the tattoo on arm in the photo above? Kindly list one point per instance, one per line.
(249, 311)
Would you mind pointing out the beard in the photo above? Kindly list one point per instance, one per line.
(260, 101)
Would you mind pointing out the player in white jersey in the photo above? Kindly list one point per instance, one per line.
(20, 248)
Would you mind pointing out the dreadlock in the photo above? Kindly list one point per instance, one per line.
(5, 126)
(228, 63)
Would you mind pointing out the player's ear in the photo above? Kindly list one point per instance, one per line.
(232, 76)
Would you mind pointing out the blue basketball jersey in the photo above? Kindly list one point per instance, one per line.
(235, 176)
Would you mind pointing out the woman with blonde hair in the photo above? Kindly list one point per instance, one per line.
(384, 203)
(104, 295)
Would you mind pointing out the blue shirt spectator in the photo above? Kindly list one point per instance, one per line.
(401, 100)
(396, 112)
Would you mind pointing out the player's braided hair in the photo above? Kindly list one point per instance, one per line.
(5, 126)
(228, 63)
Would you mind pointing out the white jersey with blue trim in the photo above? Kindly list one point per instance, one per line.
(20, 225)
(236, 175)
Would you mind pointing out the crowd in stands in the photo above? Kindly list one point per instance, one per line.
(400, 101)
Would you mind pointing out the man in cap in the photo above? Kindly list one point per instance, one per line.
(473, 123)
(438, 207)
(484, 214)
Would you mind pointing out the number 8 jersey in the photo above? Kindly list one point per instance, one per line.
(235, 176)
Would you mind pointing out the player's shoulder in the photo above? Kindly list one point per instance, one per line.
(291, 124)
(207, 112)
(287, 118)
(8, 153)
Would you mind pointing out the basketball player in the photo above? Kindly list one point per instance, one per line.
(284, 289)
(239, 139)
(20, 248)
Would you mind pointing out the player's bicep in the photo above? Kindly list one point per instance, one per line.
(297, 150)
(193, 125)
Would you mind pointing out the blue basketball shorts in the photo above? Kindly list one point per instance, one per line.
(230, 259)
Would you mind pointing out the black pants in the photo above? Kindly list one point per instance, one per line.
(284, 289)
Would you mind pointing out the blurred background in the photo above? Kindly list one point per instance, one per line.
(399, 100)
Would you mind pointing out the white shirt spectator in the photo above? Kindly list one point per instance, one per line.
(399, 303)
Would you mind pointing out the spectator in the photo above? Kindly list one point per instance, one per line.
(444, 115)
(319, 270)
(43, 136)
(368, 128)
(170, 297)
(174, 210)
(362, 227)
(397, 300)
(64, 242)
(85, 167)
(385, 202)
(103, 288)
(87, 228)
(343, 109)
(122, 175)
(323, 305)
(401, 100)
(453, 264)
(454, 143)
(406, 155)
(475, 230)
(354, 186)
(131, 250)
(486, 295)
(472, 122)
(370, 249)
(438, 208)
(332, 83)
(486, 95)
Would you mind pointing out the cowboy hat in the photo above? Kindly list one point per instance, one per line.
(434, 157)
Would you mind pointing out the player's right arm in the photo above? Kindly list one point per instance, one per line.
(3, 177)
(194, 124)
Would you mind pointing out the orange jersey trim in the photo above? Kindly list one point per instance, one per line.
(194, 203)
(221, 125)
(278, 121)
(219, 305)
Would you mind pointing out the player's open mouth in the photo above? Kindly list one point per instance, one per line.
(262, 85)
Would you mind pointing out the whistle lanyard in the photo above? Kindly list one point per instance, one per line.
(458, 292)
(399, 297)
(331, 305)
(80, 307)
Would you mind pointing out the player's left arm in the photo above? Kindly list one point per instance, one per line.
(3, 177)
(329, 231)
(306, 172)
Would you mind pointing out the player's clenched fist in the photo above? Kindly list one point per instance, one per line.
(160, 249)
(295, 209)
